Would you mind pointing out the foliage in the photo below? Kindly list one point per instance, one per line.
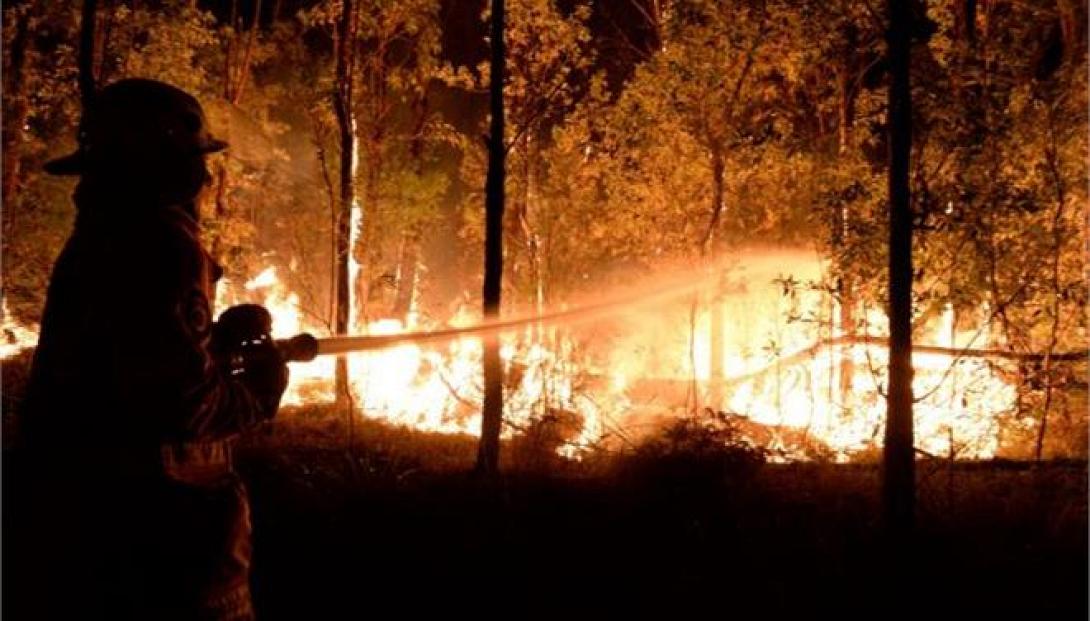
(737, 121)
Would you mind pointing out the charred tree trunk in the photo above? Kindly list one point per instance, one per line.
(488, 455)
(342, 106)
(898, 472)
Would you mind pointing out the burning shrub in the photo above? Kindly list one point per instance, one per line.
(538, 445)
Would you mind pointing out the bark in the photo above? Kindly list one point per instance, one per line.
(898, 472)
(492, 411)
(342, 105)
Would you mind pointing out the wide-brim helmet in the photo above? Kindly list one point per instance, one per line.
(134, 120)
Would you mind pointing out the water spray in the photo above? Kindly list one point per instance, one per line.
(305, 347)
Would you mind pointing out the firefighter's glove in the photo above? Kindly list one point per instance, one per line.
(243, 347)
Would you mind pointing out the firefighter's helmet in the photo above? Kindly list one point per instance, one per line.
(134, 120)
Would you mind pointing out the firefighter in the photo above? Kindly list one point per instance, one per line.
(133, 510)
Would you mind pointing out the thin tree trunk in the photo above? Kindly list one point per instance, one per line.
(492, 412)
(102, 46)
(228, 53)
(406, 277)
(716, 317)
(1072, 16)
(86, 58)
(1055, 310)
(243, 70)
(409, 259)
(331, 197)
(965, 20)
(16, 112)
(841, 226)
(898, 480)
(342, 105)
(221, 210)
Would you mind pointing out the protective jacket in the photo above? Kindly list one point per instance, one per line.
(128, 423)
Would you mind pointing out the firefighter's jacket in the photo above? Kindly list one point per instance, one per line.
(128, 415)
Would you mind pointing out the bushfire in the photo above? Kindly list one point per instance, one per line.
(782, 371)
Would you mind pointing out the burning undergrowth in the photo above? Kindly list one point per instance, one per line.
(743, 356)
(741, 343)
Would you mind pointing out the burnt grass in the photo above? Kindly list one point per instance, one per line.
(349, 522)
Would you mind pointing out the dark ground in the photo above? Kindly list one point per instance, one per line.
(395, 527)
(396, 524)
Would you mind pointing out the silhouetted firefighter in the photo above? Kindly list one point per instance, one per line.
(132, 508)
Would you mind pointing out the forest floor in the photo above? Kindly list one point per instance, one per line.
(351, 523)
(392, 520)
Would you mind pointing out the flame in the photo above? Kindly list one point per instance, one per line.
(772, 375)
(15, 336)
(438, 388)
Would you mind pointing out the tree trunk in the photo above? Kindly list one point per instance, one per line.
(716, 317)
(342, 105)
(221, 211)
(965, 21)
(492, 415)
(898, 481)
(1072, 15)
(404, 298)
(846, 81)
(243, 70)
(16, 110)
(1058, 238)
(86, 58)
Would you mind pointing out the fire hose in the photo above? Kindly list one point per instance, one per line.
(306, 347)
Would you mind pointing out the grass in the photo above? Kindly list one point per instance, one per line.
(395, 522)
